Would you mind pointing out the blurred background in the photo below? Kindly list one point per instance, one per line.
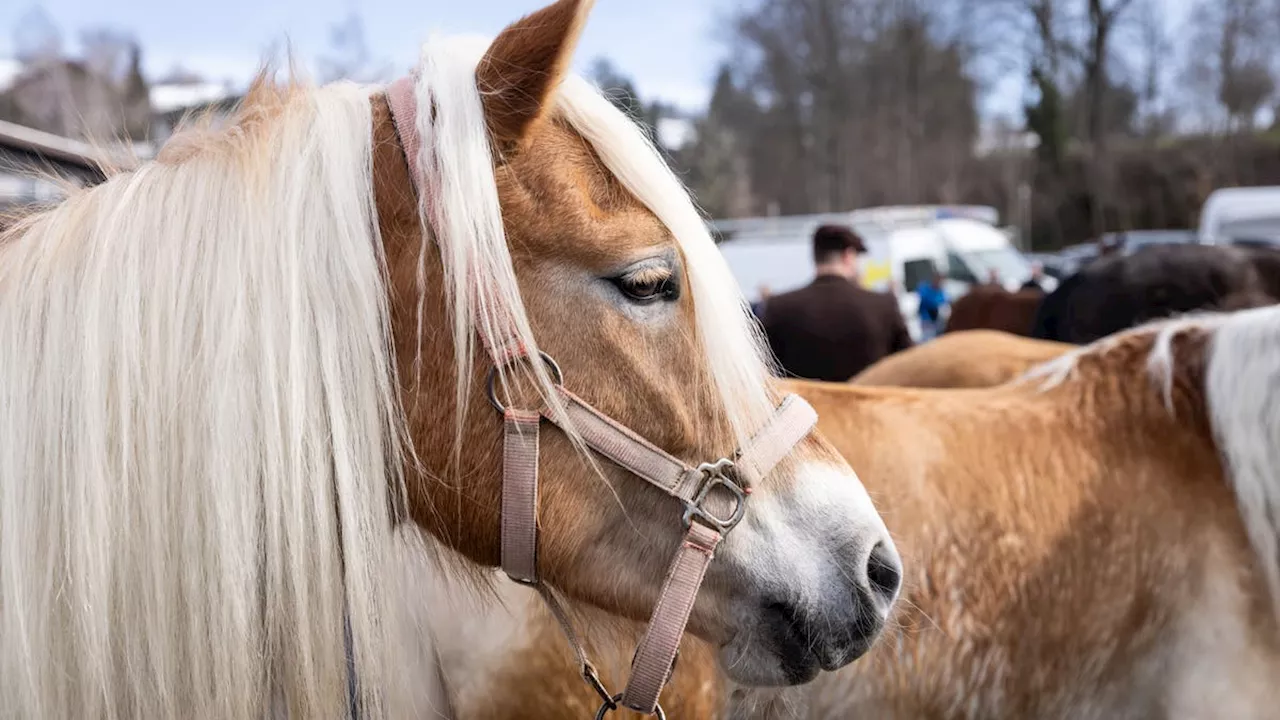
(1070, 118)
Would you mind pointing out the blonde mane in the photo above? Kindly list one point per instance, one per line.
(199, 477)
(200, 418)
(1159, 361)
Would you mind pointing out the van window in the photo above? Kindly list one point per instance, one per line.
(915, 272)
(958, 270)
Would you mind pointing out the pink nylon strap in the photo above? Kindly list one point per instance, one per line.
(402, 99)
(623, 446)
(655, 657)
(793, 420)
(520, 495)
(403, 102)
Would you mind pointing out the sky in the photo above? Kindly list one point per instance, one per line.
(670, 47)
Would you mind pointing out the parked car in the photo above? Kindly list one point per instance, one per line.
(1131, 241)
(1240, 213)
(1055, 265)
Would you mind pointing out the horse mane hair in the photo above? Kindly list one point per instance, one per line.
(202, 434)
(203, 440)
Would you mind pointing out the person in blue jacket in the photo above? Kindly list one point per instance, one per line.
(932, 300)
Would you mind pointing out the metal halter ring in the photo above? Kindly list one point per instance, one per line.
(556, 375)
(716, 475)
(589, 674)
(613, 704)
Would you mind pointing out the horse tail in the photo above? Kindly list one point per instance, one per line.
(1241, 384)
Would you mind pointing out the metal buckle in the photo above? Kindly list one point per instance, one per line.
(491, 383)
(716, 475)
(613, 703)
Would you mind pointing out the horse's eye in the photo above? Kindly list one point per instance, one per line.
(647, 287)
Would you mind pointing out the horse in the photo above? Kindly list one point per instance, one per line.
(991, 307)
(1119, 291)
(234, 375)
(966, 359)
(1096, 539)
(495, 652)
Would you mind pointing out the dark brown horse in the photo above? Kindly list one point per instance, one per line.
(991, 307)
(1117, 292)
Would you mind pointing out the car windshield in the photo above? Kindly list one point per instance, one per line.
(1007, 263)
(1158, 237)
(1262, 228)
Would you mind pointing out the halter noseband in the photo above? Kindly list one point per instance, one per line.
(714, 495)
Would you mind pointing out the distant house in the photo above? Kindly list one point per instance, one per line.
(67, 98)
(182, 94)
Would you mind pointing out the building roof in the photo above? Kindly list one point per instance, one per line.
(60, 148)
(179, 96)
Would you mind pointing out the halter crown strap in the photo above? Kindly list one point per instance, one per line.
(707, 516)
(403, 101)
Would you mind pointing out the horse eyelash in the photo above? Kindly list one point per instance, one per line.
(647, 275)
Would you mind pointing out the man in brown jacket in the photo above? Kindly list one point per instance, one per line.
(833, 328)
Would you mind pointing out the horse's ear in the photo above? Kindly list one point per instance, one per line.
(519, 74)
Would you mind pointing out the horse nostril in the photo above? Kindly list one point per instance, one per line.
(884, 572)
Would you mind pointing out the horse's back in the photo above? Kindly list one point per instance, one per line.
(965, 359)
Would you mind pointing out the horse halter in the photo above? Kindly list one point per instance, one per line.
(714, 495)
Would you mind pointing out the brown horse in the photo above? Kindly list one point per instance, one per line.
(1095, 541)
(991, 307)
(230, 374)
(968, 359)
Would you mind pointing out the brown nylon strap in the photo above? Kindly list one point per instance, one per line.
(602, 434)
(793, 420)
(657, 651)
(520, 495)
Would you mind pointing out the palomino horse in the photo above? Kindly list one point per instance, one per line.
(229, 374)
(968, 359)
(497, 654)
(1097, 540)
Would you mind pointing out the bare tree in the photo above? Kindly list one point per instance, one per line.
(1229, 59)
(1153, 47)
(36, 38)
(860, 101)
(349, 57)
(1102, 22)
(107, 52)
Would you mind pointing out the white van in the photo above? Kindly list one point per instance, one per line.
(904, 247)
(1240, 213)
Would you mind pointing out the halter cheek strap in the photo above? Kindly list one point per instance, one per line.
(713, 495)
